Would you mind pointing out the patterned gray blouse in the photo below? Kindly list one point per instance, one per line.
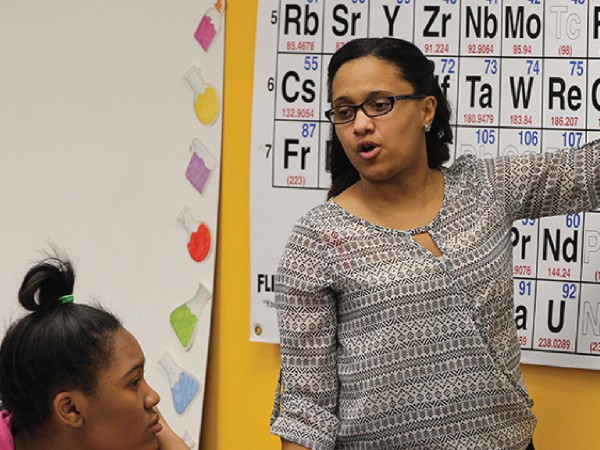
(385, 346)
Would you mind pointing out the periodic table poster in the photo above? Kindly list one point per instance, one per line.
(520, 75)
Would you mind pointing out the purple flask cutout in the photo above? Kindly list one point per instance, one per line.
(201, 165)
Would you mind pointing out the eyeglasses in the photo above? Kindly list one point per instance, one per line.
(371, 108)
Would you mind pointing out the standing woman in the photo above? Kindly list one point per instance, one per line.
(395, 297)
(72, 378)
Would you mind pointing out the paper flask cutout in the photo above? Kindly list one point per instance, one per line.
(209, 26)
(184, 386)
(201, 166)
(199, 238)
(184, 319)
(206, 99)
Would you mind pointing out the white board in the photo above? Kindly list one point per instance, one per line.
(96, 128)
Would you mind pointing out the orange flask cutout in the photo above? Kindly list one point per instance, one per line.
(199, 236)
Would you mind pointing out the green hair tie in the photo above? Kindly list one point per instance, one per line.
(66, 299)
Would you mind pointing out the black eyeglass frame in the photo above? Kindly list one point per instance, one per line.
(361, 106)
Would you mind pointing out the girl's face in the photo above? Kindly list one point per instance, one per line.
(120, 414)
(386, 147)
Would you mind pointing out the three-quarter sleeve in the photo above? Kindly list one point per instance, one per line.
(305, 410)
(548, 184)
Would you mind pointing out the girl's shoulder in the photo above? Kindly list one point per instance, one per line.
(6, 438)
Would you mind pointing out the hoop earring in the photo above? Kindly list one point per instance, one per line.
(427, 127)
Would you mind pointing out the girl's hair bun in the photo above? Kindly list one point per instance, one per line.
(45, 283)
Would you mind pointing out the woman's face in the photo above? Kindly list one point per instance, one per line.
(386, 147)
(120, 413)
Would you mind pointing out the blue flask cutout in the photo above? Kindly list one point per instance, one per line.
(184, 386)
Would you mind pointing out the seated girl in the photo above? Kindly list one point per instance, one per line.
(71, 377)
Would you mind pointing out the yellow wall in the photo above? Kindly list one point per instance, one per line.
(242, 375)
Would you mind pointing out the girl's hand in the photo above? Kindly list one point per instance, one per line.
(167, 438)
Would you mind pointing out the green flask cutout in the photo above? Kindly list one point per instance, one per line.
(184, 319)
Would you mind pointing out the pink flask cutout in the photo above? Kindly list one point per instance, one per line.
(201, 165)
(209, 26)
(198, 235)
